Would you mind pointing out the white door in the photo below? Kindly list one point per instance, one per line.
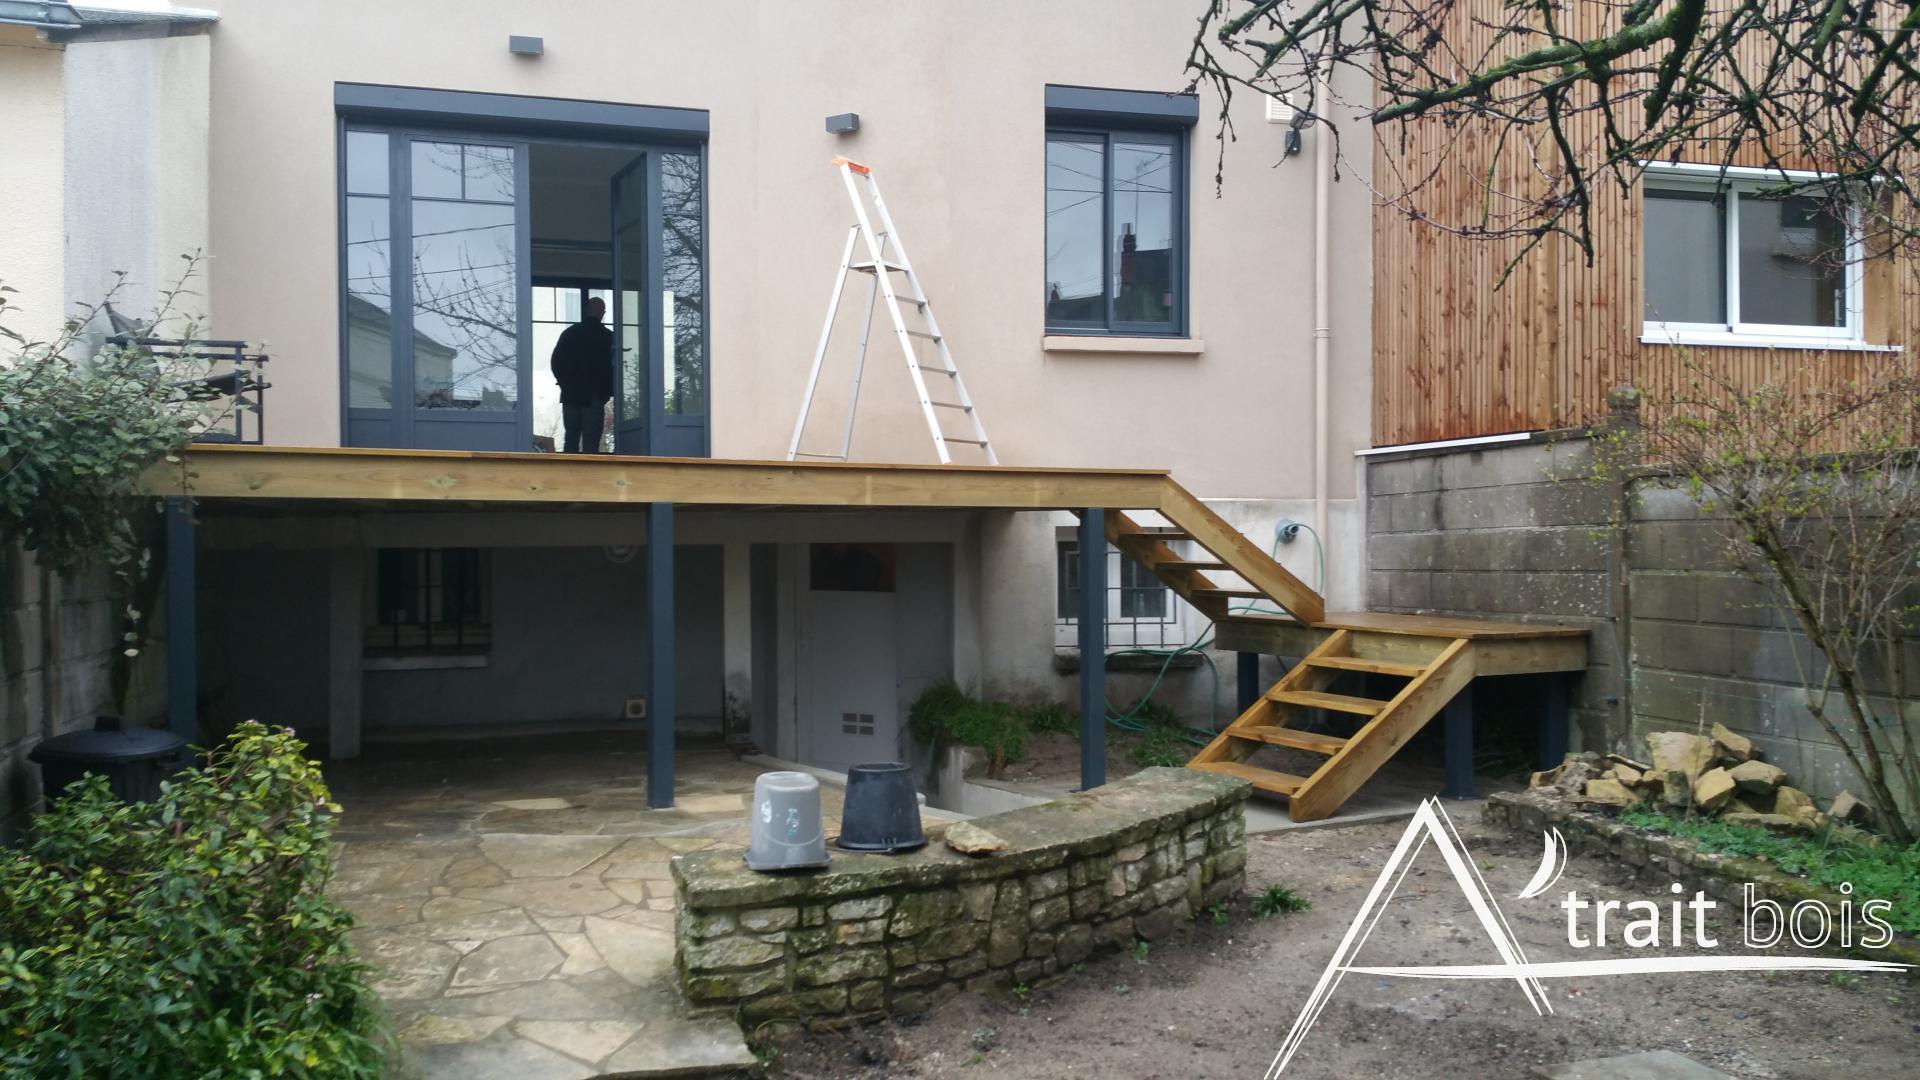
(849, 695)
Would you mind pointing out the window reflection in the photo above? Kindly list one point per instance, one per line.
(369, 274)
(1142, 251)
(1076, 209)
(683, 285)
(466, 351)
(1792, 259)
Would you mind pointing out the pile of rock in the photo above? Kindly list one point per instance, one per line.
(1718, 774)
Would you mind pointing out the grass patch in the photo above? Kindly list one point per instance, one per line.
(1277, 899)
(1162, 738)
(1876, 873)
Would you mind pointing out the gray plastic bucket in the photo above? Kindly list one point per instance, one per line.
(783, 824)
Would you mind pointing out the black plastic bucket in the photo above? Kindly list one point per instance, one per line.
(882, 811)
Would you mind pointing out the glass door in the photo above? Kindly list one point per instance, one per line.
(633, 397)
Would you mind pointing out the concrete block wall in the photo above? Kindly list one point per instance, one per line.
(1510, 532)
(1682, 638)
(56, 658)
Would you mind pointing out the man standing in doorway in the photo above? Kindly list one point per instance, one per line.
(583, 366)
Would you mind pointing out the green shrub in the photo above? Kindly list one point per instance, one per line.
(1049, 718)
(188, 937)
(945, 715)
(1163, 739)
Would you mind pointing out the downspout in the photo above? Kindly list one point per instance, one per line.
(1322, 323)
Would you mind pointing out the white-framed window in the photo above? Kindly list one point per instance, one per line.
(1737, 257)
(1142, 613)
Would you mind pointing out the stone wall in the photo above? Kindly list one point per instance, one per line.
(873, 934)
(1680, 639)
(1674, 858)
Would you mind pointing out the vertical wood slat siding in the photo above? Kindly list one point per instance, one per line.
(1455, 358)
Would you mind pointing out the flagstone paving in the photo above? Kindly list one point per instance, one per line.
(514, 900)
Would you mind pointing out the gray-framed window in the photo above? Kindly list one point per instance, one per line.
(437, 339)
(1116, 231)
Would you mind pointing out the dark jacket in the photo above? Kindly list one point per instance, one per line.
(583, 363)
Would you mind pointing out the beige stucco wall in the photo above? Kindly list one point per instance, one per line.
(951, 102)
(31, 259)
(136, 171)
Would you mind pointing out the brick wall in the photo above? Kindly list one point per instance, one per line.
(1681, 639)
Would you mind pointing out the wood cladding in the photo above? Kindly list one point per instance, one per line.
(1454, 357)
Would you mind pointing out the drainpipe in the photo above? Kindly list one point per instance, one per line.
(1322, 319)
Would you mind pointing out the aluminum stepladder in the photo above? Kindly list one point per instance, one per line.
(882, 266)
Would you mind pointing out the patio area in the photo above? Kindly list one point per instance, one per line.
(514, 897)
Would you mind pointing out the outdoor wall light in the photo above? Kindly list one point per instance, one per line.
(845, 123)
(521, 45)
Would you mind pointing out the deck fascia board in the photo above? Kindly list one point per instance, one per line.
(301, 473)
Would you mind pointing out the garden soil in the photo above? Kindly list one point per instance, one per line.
(1218, 999)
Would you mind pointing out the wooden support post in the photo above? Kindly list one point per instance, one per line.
(1458, 717)
(1553, 721)
(183, 655)
(1093, 648)
(1248, 669)
(660, 662)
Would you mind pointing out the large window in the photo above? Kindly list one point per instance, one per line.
(1747, 260)
(1116, 246)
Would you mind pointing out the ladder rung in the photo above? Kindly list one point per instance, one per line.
(971, 442)
(829, 457)
(924, 334)
(1371, 667)
(867, 267)
(1315, 699)
(950, 405)
(1294, 737)
(1265, 779)
(939, 371)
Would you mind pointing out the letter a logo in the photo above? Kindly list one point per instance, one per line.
(1430, 823)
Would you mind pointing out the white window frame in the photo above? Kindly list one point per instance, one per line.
(1123, 632)
(1733, 182)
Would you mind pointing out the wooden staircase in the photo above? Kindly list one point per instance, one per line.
(1428, 672)
(1426, 660)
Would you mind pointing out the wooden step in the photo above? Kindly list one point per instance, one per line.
(1285, 736)
(1369, 666)
(1169, 536)
(1315, 699)
(1278, 783)
(1235, 594)
(1184, 564)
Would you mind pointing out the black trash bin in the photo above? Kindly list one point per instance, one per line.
(134, 760)
(881, 811)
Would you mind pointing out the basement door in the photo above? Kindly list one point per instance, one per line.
(850, 678)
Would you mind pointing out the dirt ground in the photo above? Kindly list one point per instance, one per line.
(1218, 1000)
